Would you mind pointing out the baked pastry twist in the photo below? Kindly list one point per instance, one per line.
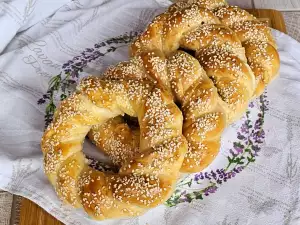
(230, 66)
(199, 25)
(147, 179)
(235, 50)
(119, 141)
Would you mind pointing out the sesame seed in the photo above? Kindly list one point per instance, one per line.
(227, 42)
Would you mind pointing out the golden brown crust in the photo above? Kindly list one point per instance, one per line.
(253, 30)
(116, 139)
(235, 50)
(255, 36)
(204, 116)
(213, 34)
(235, 58)
(230, 15)
(183, 71)
(264, 61)
(208, 4)
(162, 148)
(200, 155)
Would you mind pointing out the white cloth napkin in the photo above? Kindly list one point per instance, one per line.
(265, 192)
(18, 15)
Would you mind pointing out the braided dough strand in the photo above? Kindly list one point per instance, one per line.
(147, 180)
(238, 59)
(212, 94)
(238, 54)
(116, 139)
(233, 57)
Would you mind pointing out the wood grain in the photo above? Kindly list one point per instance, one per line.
(275, 18)
(31, 214)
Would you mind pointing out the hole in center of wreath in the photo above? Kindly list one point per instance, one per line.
(113, 143)
(188, 51)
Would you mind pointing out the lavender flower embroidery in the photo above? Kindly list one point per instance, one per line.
(62, 83)
(250, 138)
(243, 152)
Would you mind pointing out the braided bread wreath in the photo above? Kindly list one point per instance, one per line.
(213, 89)
(227, 41)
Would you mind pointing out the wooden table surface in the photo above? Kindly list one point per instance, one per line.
(31, 214)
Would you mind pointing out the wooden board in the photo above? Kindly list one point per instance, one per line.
(274, 18)
(31, 214)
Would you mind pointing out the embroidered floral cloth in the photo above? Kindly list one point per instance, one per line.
(255, 178)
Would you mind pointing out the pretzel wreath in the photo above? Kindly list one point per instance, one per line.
(145, 181)
(237, 56)
(232, 58)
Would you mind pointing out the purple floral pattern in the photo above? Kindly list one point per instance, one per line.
(62, 83)
(245, 150)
